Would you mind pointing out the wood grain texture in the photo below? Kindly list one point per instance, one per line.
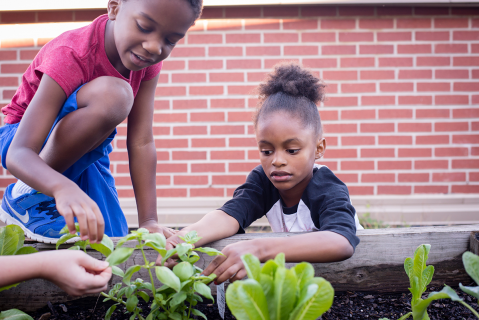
(377, 264)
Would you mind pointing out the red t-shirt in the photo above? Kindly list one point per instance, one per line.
(72, 59)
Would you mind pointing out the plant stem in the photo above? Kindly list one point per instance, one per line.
(189, 308)
(474, 312)
(407, 315)
(113, 298)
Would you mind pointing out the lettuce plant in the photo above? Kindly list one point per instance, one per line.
(276, 293)
(105, 247)
(471, 264)
(178, 295)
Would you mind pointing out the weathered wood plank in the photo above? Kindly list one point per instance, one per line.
(377, 264)
(474, 243)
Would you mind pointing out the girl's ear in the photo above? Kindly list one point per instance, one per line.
(113, 7)
(320, 148)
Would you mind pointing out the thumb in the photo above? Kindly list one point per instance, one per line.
(93, 264)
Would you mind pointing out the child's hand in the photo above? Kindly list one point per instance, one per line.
(171, 243)
(230, 265)
(155, 227)
(72, 202)
(75, 272)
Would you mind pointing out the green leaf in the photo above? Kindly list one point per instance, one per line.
(203, 289)
(427, 277)
(473, 291)
(144, 296)
(246, 300)
(471, 264)
(408, 265)
(420, 258)
(304, 272)
(25, 250)
(419, 310)
(167, 277)
(316, 298)
(129, 273)
(105, 247)
(119, 256)
(74, 248)
(175, 316)
(9, 286)
(269, 268)
(19, 232)
(9, 240)
(252, 266)
(64, 239)
(193, 258)
(183, 270)
(142, 231)
(183, 248)
(14, 314)
(198, 313)
(178, 298)
(267, 283)
(209, 251)
(169, 253)
(109, 312)
(280, 259)
(285, 288)
(154, 246)
(117, 271)
(157, 238)
(131, 303)
(128, 237)
(191, 237)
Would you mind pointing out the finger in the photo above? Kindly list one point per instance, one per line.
(67, 213)
(82, 221)
(100, 222)
(92, 264)
(167, 232)
(92, 225)
(229, 273)
(239, 275)
(217, 261)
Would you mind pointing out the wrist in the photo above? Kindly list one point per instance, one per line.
(263, 251)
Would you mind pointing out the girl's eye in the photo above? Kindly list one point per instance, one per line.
(267, 152)
(292, 151)
(170, 43)
(142, 29)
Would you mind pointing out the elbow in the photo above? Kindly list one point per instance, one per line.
(347, 251)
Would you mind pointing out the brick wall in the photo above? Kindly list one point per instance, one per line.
(401, 115)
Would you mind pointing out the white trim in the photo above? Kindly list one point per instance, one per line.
(34, 5)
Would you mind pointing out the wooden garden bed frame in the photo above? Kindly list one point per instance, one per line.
(376, 266)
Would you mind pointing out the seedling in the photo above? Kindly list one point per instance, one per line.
(105, 247)
(276, 293)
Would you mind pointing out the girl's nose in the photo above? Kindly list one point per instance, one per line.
(153, 47)
(278, 160)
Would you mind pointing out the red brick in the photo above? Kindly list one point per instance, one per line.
(224, 24)
(433, 86)
(395, 189)
(433, 139)
(358, 114)
(395, 62)
(360, 190)
(452, 74)
(340, 153)
(226, 77)
(189, 130)
(225, 51)
(318, 37)
(378, 177)
(451, 126)
(466, 61)
(14, 68)
(263, 51)
(243, 12)
(448, 176)
(170, 117)
(356, 11)
(208, 143)
(358, 87)
(241, 89)
(189, 77)
(341, 101)
(416, 100)
(466, 86)
(471, 138)
(8, 81)
(162, 104)
(243, 38)
(205, 64)
(475, 126)
(240, 116)
(473, 176)
(465, 35)
(394, 140)
(318, 11)
(280, 37)
(377, 100)
(261, 24)
(430, 189)
(377, 153)
(394, 165)
(338, 50)
(10, 55)
(197, 26)
(347, 177)
(451, 23)
(431, 164)
(227, 129)
(394, 36)
(207, 192)
(189, 155)
(8, 94)
(88, 15)
(208, 167)
(228, 155)
(257, 76)
(160, 130)
(395, 114)
(357, 165)
(393, 11)
(432, 113)
(465, 189)
(188, 52)
(413, 177)
(227, 103)
(414, 152)
(356, 36)
(376, 49)
(328, 115)
(242, 166)
(465, 113)
(253, 154)
(242, 142)
(171, 143)
(243, 64)
(206, 90)
(170, 91)
(413, 23)
(320, 63)
(396, 86)
(376, 74)
(205, 38)
(451, 99)
(340, 75)
(377, 127)
(474, 48)
(301, 50)
(451, 48)
(212, 12)
(451, 152)
(338, 24)
(376, 23)
(465, 164)
(429, 11)
(173, 65)
(331, 88)
(357, 140)
(340, 128)
(175, 192)
(229, 179)
(357, 62)
(207, 116)
(299, 24)
(432, 35)
(171, 167)
(18, 17)
(192, 180)
(464, 11)
(414, 48)
(270, 63)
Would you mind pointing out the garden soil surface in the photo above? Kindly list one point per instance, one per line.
(346, 305)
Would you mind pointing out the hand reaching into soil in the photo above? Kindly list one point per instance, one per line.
(155, 227)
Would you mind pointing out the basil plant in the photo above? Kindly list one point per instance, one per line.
(276, 293)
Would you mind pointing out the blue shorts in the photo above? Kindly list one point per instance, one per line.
(91, 173)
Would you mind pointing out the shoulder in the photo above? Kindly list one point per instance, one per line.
(258, 174)
(325, 179)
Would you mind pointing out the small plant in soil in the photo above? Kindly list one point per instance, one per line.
(181, 288)
(105, 247)
(274, 292)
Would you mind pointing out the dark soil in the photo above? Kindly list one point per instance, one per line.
(347, 305)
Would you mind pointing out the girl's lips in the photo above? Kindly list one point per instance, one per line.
(139, 62)
(281, 176)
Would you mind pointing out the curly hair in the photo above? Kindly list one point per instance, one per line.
(293, 89)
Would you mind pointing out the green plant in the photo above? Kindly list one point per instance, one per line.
(11, 243)
(180, 285)
(274, 292)
(471, 264)
(14, 314)
(105, 247)
(369, 223)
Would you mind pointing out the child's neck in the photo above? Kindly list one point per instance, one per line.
(112, 52)
(292, 196)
